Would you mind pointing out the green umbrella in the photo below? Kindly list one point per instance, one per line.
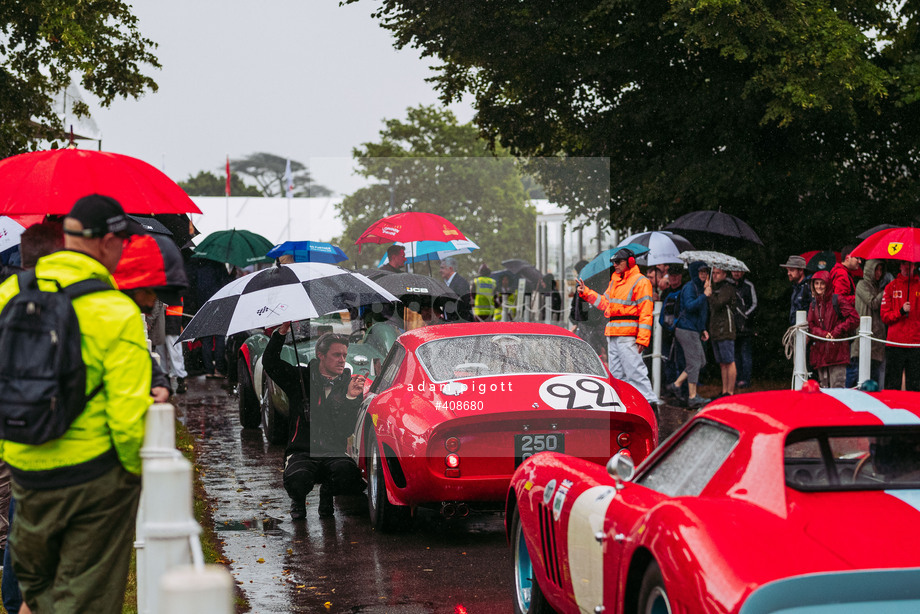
(240, 248)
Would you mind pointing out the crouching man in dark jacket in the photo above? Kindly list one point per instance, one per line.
(318, 428)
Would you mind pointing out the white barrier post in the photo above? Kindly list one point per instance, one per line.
(548, 306)
(170, 530)
(193, 590)
(159, 442)
(657, 335)
(799, 358)
(522, 314)
(865, 349)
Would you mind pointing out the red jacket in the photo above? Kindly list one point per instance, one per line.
(842, 282)
(823, 319)
(902, 328)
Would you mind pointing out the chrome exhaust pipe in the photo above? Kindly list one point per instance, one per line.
(463, 510)
(448, 509)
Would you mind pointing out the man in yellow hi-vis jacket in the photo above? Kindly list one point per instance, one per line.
(77, 496)
(628, 305)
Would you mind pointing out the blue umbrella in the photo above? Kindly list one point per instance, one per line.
(601, 262)
(421, 251)
(309, 251)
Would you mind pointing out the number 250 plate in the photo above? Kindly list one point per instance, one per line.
(528, 444)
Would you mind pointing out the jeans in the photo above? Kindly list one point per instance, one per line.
(743, 357)
(214, 359)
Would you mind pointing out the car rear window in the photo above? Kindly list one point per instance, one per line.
(853, 458)
(689, 464)
(479, 355)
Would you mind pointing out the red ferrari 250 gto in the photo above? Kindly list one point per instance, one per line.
(457, 407)
(796, 502)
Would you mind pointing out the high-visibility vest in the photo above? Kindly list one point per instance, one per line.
(483, 300)
(511, 301)
(628, 305)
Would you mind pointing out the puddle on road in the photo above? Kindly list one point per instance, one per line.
(268, 525)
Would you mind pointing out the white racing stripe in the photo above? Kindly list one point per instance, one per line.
(860, 401)
(910, 497)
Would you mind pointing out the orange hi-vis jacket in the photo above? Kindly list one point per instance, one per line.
(628, 305)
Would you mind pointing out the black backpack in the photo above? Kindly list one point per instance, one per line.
(42, 375)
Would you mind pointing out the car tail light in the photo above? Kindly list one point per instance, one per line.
(623, 440)
(452, 444)
(452, 460)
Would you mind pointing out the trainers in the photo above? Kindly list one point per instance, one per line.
(181, 387)
(697, 402)
(326, 507)
(298, 510)
(675, 392)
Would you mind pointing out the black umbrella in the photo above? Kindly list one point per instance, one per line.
(715, 222)
(868, 233)
(179, 225)
(152, 225)
(413, 288)
(515, 264)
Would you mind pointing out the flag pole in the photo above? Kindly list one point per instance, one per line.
(227, 195)
(289, 189)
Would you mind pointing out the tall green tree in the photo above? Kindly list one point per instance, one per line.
(785, 110)
(43, 43)
(267, 170)
(430, 162)
(799, 117)
(206, 183)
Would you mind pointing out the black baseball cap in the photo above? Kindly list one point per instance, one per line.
(622, 254)
(100, 215)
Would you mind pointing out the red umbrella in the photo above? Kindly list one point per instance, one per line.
(52, 181)
(892, 244)
(410, 226)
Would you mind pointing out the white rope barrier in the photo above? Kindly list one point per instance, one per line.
(794, 343)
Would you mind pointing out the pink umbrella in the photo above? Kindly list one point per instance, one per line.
(410, 226)
(43, 182)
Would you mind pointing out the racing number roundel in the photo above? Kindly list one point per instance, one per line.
(580, 392)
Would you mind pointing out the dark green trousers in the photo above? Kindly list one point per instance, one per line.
(71, 547)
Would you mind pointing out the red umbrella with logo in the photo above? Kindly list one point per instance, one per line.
(410, 226)
(891, 244)
(43, 182)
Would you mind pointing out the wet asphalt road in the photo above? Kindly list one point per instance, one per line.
(337, 564)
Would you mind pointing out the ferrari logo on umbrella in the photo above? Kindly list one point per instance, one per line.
(894, 248)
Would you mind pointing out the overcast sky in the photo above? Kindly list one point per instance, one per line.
(302, 79)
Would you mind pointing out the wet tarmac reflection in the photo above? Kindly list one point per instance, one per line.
(333, 564)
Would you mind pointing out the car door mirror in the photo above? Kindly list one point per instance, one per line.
(621, 468)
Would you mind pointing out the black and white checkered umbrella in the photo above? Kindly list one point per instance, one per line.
(281, 294)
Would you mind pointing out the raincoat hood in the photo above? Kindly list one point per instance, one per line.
(695, 267)
(869, 271)
(822, 276)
